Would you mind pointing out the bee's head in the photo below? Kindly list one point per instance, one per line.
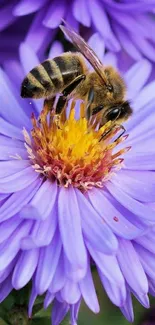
(117, 113)
(31, 88)
(116, 87)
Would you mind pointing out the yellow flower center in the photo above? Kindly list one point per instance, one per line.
(73, 151)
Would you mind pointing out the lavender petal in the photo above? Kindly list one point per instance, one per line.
(127, 308)
(18, 181)
(94, 229)
(42, 203)
(17, 200)
(88, 291)
(59, 311)
(58, 280)
(5, 288)
(121, 227)
(11, 247)
(70, 229)
(131, 267)
(70, 293)
(115, 292)
(48, 261)
(25, 268)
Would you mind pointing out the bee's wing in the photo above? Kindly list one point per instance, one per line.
(85, 49)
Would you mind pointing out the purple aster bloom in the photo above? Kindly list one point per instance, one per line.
(125, 27)
(50, 231)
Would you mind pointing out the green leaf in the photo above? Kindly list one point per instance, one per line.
(41, 321)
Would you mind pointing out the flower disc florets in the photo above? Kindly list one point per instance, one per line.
(73, 151)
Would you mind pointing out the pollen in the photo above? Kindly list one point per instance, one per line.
(73, 151)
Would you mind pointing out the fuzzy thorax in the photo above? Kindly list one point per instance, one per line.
(73, 151)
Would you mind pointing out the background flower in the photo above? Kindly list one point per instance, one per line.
(124, 27)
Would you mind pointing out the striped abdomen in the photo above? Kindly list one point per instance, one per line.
(52, 76)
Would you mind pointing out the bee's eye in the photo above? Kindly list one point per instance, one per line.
(113, 114)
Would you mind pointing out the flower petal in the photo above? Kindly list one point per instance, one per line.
(147, 260)
(8, 227)
(105, 206)
(32, 299)
(59, 311)
(99, 15)
(70, 293)
(140, 185)
(108, 265)
(127, 308)
(10, 130)
(137, 76)
(134, 206)
(43, 231)
(94, 229)
(25, 7)
(81, 12)
(55, 14)
(70, 228)
(42, 203)
(115, 292)
(58, 280)
(5, 288)
(131, 267)
(48, 261)
(5, 273)
(8, 168)
(88, 291)
(10, 248)
(17, 200)
(25, 268)
(48, 299)
(18, 181)
(9, 100)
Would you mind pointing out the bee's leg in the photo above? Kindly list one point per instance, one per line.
(104, 135)
(48, 103)
(97, 109)
(67, 91)
(89, 102)
(123, 131)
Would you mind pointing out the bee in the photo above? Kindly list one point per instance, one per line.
(67, 74)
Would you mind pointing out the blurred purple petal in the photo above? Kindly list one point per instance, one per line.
(55, 13)
(81, 12)
(25, 7)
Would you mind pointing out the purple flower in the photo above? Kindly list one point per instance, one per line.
(125, 27)
(50, 232)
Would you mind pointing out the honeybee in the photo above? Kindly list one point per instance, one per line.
(104, 89)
